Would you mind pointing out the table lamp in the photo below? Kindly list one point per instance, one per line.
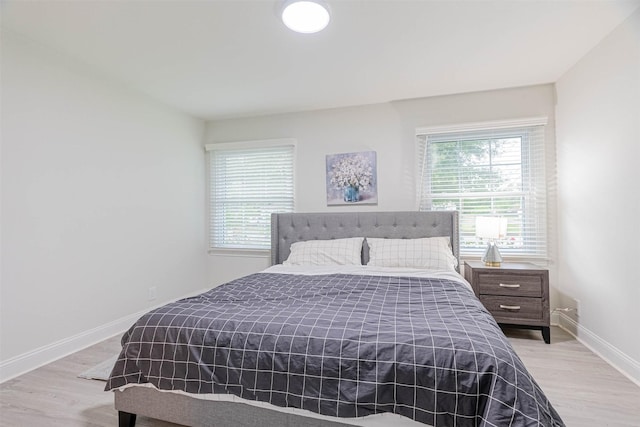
(491, 228)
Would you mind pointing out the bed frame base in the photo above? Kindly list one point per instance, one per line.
(185, 410)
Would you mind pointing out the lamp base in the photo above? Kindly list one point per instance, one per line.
(492, 257)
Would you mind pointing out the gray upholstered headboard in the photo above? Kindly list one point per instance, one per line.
(288, 228)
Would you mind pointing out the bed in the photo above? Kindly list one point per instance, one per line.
(342, 330)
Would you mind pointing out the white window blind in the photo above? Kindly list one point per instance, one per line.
(248, 182)
(488, 172)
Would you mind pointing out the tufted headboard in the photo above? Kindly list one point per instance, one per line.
(288, 228)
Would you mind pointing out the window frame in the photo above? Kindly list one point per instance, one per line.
(541, 248)
(236, 146)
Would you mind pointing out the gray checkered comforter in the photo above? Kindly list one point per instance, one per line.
(340, 345)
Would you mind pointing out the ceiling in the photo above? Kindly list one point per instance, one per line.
(221, 59)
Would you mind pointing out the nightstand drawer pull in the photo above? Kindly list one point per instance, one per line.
(506, 285)
(509, 307)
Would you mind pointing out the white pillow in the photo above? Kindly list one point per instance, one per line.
(433, 253)
(326, 252)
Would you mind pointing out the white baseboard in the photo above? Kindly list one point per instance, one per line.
(627, 366)
(23, 363)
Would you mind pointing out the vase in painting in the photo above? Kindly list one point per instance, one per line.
(351, 194)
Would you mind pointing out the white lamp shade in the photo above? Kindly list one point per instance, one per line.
(491, 227)
(305, 16)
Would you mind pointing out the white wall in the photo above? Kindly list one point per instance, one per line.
(598, 144)
(103, 194)
(389, 129)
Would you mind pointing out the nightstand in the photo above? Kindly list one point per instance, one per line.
(516, 294)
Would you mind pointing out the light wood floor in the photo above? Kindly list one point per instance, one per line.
(585, 390)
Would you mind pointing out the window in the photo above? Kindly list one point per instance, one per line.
(492, 169)
(248, 182)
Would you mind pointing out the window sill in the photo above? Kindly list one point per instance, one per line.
(249, 253)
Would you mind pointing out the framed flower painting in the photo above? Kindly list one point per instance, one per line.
(352, 179)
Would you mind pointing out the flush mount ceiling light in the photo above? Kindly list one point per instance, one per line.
(305, 16)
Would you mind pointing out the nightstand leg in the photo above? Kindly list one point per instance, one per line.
(546, 334)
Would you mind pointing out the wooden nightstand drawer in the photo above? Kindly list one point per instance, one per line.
(506, 309)
(510, 284)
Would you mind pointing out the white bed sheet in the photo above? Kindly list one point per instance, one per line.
(376, 420)
(367, 271)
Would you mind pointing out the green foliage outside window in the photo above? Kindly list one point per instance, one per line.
(480, 174)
